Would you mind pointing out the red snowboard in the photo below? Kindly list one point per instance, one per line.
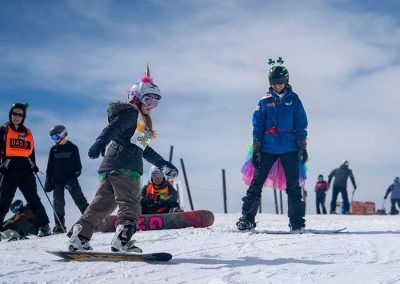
(178, 220)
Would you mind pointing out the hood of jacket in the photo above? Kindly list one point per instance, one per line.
(115, 108)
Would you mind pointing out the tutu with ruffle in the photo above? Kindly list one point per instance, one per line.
(276, 178)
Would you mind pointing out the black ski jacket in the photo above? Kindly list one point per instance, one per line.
(121, 153)
(341, 175)
(64, 162)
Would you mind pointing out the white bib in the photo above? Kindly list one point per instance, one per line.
(142, 136)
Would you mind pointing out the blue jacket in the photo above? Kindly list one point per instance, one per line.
(279, 123)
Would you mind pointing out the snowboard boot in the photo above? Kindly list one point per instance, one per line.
(77, 242)
(44, 231)
(246, 223)
(122, 242)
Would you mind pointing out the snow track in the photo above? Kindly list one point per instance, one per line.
(367, 252)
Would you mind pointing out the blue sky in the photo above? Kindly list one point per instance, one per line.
(69, 59)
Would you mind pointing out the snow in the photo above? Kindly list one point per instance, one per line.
(368, 252)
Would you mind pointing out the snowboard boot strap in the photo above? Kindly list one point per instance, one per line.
(77, 242)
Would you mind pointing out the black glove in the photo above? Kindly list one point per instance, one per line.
(303, 155)
(174, 210)
(169, 170)
(35, 169)
(48, 184)
(3, 168)
(99, 147)
(256, 153)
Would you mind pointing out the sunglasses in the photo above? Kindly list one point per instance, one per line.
(56, 137)
(17, 114)
(149, 102)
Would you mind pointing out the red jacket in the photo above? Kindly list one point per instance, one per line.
(321, 186)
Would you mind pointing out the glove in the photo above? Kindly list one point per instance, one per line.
(48, 184)
(77, 173)
(99, 147)
(3, 168)
(303, 155)
(35, 169)
(169, 170)
(174, 210)
(256, 153)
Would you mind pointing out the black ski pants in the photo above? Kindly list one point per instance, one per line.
(25, 181)
(393, 206)
(59, 199)
(320, 201)
(335, 192)
(290, 163)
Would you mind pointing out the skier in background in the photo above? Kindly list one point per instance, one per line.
(394, 189)
(279, 131)
(63, 169)
(130, 131)
(18, 168)
(159, 196)
(321, 187)
(341, 175)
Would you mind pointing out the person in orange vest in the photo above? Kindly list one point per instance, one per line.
(159, 196)
(17, 167)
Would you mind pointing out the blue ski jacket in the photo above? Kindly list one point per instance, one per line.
(279, 122)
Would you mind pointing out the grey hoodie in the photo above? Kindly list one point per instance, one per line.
(121, 153)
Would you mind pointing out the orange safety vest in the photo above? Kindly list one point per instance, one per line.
(158, 194)
(19, 144)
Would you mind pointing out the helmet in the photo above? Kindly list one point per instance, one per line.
(278, 75)
(21, 106)
(345, 162)
(320, 177)
(145, 86)
(155, 171)
(16, 205)
(58, 132)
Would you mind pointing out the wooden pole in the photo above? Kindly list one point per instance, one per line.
(187, 185)
(224, 191)
(276, 202)
(280, 201)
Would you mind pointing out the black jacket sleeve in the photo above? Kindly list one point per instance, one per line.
(331, 175)
(353, 181)
(77, 160)
(49, 170)
(388, 191)
(150, 155)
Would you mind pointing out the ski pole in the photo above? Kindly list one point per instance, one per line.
(40, 182)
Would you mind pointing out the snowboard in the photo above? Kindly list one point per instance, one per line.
(177, 220)
(306, 231)
(111, 256)
(10, 235)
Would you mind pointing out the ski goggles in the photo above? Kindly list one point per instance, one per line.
(149, 102)
(55, 137)
(157, 174)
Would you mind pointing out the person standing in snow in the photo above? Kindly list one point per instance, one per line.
(159, 196)
(18, 168)
(341, 176)
(63, 169)
(279, 131)
(130, 131)
(321, 187)
(394, 189)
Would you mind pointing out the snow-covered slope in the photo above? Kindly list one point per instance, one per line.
(369, 252)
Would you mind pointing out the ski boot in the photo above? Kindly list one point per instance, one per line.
(44, 231)
(76, 242)
(246, 223)
(297, 228)
(122, 242)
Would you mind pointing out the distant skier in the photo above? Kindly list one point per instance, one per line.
(341, 175)
(17, 167)
(130, 131)
(394, 189)
(321, 187)
(63, 169)
(23, 221)
(159, 196)
(279, 131)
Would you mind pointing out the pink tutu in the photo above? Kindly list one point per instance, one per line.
(276, 178)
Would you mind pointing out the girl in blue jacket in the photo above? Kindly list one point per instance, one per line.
(279, 131)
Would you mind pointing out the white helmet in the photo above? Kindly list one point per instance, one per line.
(145, 86)
(155, 171)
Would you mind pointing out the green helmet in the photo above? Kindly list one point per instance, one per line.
(278, 75)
